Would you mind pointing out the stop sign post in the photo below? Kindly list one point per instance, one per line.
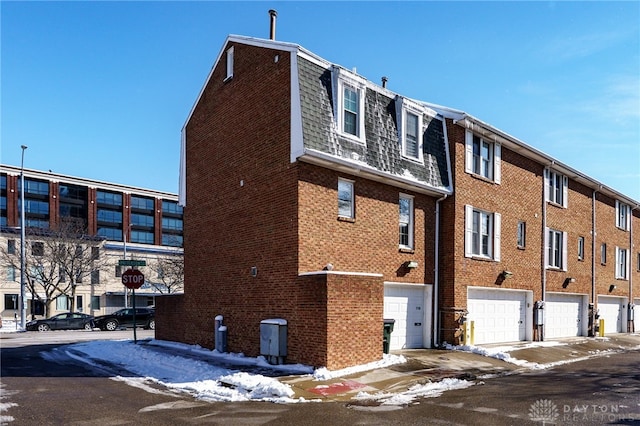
(133, 279)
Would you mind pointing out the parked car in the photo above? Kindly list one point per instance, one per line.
(145, 318)
(65, 321)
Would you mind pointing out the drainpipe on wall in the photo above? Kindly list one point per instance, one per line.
(630, 304)
(592, 313)
(435, 337)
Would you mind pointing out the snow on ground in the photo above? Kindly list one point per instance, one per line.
(428, 390)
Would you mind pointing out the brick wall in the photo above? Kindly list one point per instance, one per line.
(241, 201)
(370, 242)
(519, 197)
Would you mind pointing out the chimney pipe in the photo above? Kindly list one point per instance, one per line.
(272, 28)
(384, 82)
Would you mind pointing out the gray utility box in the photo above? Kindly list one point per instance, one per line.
(273, 340)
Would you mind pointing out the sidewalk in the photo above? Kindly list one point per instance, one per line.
(466, 363)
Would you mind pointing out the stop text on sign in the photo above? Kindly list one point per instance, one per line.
(132, 278)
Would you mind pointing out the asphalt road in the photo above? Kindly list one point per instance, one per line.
(598, 391)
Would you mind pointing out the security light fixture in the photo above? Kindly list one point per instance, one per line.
(568, 281)
(411, 264)
(612, 287)
(506, 274)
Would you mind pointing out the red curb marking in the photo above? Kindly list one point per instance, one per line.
(346, 386)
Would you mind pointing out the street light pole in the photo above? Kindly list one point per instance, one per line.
(23, 300)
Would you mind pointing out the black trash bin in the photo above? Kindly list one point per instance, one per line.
(386, 334)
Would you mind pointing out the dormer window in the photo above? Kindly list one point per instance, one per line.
(349, 91)
(410, 128)
(351, 113)
(411, 136)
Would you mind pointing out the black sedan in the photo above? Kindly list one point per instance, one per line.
(145, 318)
(65, 321)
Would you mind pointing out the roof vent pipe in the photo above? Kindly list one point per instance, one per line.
(272, 28)
(384, 82)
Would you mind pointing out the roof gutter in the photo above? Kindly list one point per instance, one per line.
(318, 158)
(484, 129)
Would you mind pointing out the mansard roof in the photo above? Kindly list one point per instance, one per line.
(380, 154)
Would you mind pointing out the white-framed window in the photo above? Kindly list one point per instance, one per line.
(580, 248)
(622, 257)
(63, 303)
(406, 222)
(346, 199)
(623, 215)
(522, 234)
(603, 253)
(349, 92)
(556, 187)
(482, 233)
(556, 249)
(409, 116)
(483, 157)
(229, 64)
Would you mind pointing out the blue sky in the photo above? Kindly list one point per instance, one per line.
(102, 89)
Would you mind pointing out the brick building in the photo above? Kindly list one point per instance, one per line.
(134, 222)
(323, 199)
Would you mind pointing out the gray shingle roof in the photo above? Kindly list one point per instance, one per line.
(382, 150)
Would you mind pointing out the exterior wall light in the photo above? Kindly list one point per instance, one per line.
(506, 274)
(612, 287)
(412, 264)
(568, 281)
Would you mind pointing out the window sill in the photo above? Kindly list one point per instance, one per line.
(346, 219)
(482, 178)
(483, 258)
(415, 160)
(554, 204)
(406, 250)
(228, 78)
(521, 247)
(352, 138)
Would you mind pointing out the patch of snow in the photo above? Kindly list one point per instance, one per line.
(429, 390)
(387, 360)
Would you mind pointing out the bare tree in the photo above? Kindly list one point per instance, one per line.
(169, 270)
(57, 261)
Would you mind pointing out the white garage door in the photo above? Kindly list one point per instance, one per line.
(563, 315)
(497, 315)
(410, 307)
(610, 309)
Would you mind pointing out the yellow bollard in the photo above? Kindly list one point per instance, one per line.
(471, 327)
(601, 327)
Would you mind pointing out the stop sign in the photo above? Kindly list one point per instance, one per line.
(132, 278)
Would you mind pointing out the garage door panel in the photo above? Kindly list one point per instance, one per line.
(498, 316)
(563, 315)
(610, 309)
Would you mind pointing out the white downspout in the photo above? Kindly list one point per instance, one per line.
(593, 262)
(436, 279)
(630, 323)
